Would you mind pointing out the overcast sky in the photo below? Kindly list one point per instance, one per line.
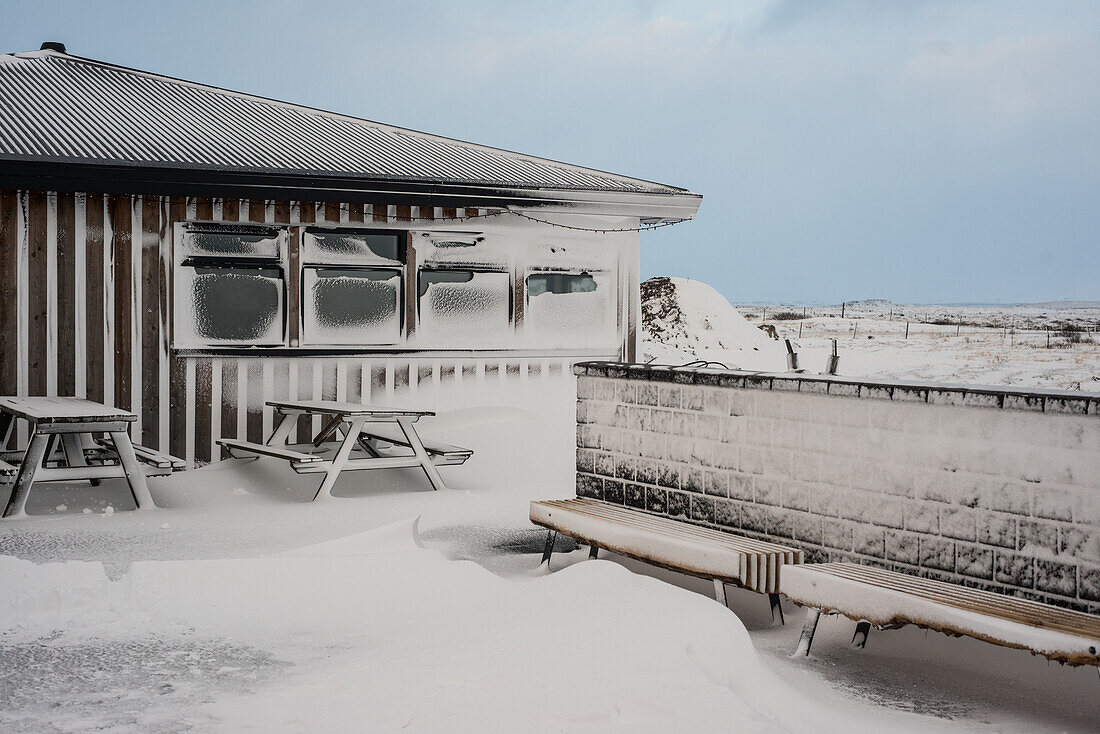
(845, 149)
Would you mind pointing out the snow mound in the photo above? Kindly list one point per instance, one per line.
(685, 320)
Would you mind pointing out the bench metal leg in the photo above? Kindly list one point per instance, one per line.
(549, 549)
(859, 639)
(135, 476)
(417, 446)
(593, 552)
(809, 627)
(32, 461)
(720, 591)
(777, 609)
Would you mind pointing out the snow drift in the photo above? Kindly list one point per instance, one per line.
(685, 320)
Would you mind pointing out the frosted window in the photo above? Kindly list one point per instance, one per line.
(464, 308)
(353, 246)
(571, 310)
(349, 306)
(232, 305)
(540, 283)
(234, 242)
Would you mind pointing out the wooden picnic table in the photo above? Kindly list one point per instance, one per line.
(349, 424)
(69, 420)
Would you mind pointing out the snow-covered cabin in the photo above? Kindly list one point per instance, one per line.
(188, 252)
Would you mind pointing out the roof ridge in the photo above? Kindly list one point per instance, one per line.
(395, 129)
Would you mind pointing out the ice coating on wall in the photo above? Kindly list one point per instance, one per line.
(464, 308)
(323, 247)
(234, 305)
(583, 317)
(351, 306)
(356, 282)
(264, 243)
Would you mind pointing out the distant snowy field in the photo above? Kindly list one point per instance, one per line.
(1028, 346)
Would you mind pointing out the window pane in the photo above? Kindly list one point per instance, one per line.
(571, 310)
(264, 242)
(539, 283)
(349, 306)
(233, 305)
(464, 308)
(353, 246)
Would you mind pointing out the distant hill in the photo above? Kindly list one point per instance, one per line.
(1060, 305)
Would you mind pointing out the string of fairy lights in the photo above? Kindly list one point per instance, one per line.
(368, 213)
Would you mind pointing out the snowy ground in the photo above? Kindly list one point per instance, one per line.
(240, 606)
(945, 353)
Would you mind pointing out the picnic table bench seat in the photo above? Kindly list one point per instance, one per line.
(157, 462)
(887, 600)
(441, 453)
(263, 449)
(678, 546)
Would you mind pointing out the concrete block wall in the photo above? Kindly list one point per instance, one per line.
(997, 488)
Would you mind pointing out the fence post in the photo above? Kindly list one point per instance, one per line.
(906, 329)
(832, 362)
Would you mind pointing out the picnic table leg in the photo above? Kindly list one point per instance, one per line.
(340, 460)
(328, 430)
(73, 448)
(134, 474)
(282, 431)
(426, 464)
(32, 460)
(7, 423)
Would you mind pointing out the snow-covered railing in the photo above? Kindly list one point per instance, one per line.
(995, 487)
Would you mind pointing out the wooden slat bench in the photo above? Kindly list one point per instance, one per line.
(690, 549)
(888, 600)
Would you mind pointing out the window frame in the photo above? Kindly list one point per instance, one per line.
(193, 261)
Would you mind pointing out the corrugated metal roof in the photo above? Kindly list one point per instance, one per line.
(58, 107)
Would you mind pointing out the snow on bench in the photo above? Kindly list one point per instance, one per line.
(7, 471)
(888, 600)
(678, 546)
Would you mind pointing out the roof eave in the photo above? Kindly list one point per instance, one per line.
(90, 177)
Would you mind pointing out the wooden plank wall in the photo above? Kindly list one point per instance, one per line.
(85, 294)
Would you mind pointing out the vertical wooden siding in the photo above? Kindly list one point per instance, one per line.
(91, 274)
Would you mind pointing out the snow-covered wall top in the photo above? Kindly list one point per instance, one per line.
(993, 487)
(910, 391)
